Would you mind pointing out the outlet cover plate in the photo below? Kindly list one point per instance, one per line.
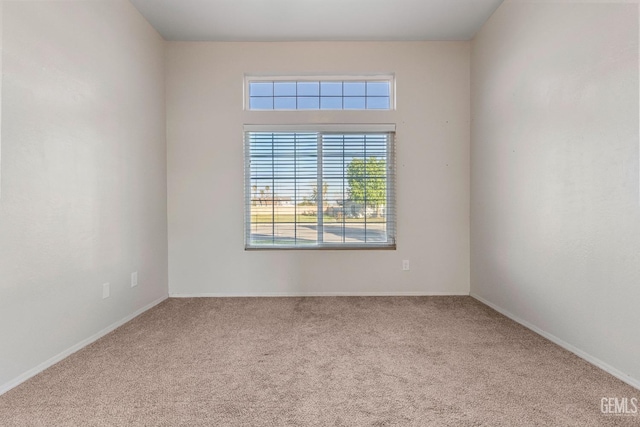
(134, 279)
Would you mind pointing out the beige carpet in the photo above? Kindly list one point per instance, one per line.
(347, 361)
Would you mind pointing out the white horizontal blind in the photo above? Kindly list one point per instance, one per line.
(322, 189)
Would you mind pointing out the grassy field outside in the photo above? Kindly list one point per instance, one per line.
(291, 219)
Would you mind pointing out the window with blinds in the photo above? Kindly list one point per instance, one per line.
(319, 188)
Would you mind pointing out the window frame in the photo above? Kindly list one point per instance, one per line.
(390, 78)
(391, 206)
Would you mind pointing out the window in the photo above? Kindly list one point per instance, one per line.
(322, 187)
(355, 93)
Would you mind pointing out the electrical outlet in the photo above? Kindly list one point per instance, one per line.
(106, 291)
(134, 279)
(405, 265)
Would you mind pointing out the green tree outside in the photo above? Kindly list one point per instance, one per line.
(368, 182)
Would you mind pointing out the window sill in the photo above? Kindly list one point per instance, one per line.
(323, 248)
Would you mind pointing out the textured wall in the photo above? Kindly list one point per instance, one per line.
(555, 210)
(205, 118)
(83, 174)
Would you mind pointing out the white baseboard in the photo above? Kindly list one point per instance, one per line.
(66, 353)
(316, 294)
(633, 382)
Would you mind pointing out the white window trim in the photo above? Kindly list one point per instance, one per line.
(325, 78)
(338, 127)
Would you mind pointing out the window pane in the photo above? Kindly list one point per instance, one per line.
(282, 103)
(354, 89)
(377, 103)
(308, 88)
(306, 233)
(308, 103)
(325, 95)
(284, 88)
(331, 103)
(354, 103)
(331, 88)
(261, 103)
(377, 88)
(285, 190)
(261, 89)
(376, 232)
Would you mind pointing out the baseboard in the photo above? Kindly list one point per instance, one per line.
(633, 382)
(316, 294)
(66, 353)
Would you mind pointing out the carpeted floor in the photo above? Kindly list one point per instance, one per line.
(343, 361)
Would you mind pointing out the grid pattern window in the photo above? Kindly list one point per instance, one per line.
(319, 190)
(361, 94)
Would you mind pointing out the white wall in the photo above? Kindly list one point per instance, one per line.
(205, 117)
(83, 176)
(1, 31)
(555, 203)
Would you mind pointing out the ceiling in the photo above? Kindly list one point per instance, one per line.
(321, 20)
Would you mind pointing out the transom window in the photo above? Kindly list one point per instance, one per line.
(322, 187)
(360, 93)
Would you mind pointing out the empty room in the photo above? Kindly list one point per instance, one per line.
(319, 213)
